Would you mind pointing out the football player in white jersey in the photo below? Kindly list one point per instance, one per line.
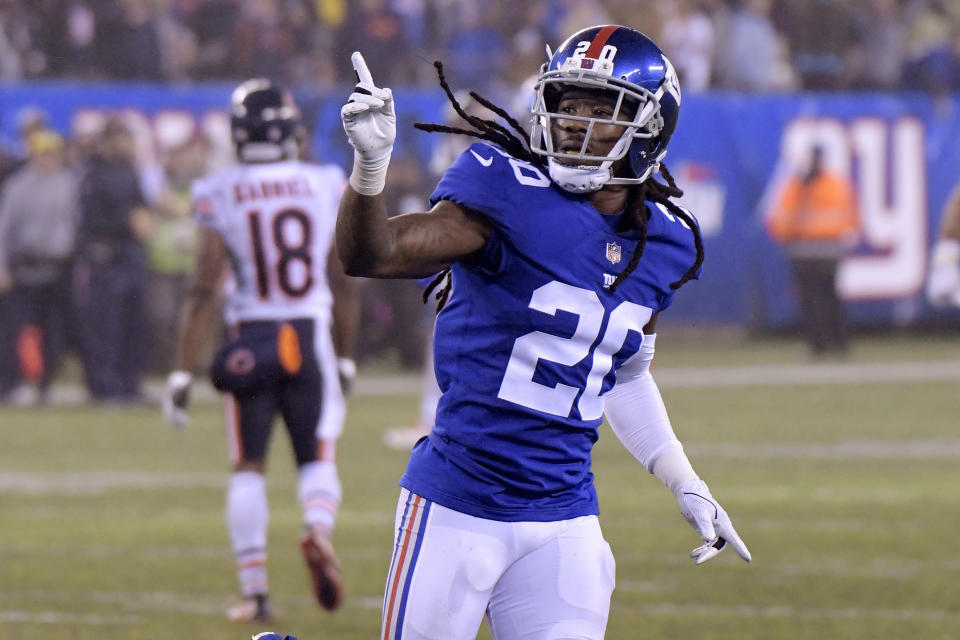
(291, 314)
(943, 279)
(562, 251)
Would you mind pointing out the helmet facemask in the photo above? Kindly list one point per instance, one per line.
(595, 170)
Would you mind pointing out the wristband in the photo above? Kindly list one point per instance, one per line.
(369, 175)
(673, 468)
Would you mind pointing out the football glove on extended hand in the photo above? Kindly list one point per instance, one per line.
(709, 519)
(371, 127)
(176, 397)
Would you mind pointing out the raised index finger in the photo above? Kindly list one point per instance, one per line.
(360, 66)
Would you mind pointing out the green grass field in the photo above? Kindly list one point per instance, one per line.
(847, 493)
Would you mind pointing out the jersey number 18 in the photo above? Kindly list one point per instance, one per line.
(287, 224)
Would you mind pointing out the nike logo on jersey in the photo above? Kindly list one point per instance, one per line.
(484, 161)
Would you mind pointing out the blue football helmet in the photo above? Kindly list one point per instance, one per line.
(630, 68)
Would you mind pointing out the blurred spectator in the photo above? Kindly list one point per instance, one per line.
(476, 51)
(78, 53)
(376, 28)
(528, 41)
(30, 119)
(931, 64)
(750, 55)
(687, 38)
(22, 27)
(213, 23)
(10, 68)
(128, 42)
(171, 249)
(819, 35)
(877, 55)
(263, 40)
(38, 217)
(572, 15)
(835, 44)
(816, 221)
(111, 269)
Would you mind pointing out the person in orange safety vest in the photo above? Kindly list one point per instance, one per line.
(815, 219)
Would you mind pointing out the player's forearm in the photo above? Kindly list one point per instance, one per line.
(413, 245)
(363, 237)
(346, 318)
(636, 413)
(199, 313)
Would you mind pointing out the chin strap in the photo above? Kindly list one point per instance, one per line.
(579, 179)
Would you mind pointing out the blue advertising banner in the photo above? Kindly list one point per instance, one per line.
(730, 154)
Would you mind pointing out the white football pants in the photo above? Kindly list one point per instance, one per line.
(533, 580)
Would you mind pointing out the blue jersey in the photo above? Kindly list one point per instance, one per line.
(531, 338)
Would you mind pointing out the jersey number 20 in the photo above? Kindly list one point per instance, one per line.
(518, 385)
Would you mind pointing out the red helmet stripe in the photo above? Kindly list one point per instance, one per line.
(599, 40)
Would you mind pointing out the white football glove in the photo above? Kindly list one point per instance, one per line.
(347, 371)
(371, 127)
(709, 519)
(176, 397)
(943, 281)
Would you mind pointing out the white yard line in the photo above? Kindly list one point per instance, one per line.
(183, 603)
(60, 617)
(806, 374)
(938, 449)
(737, 376)
(788, 611)
(704, 377)
(98, 482)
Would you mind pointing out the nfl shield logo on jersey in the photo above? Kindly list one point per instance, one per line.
(613, 252)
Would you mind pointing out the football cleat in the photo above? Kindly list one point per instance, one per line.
(252, 609)
(324, 569)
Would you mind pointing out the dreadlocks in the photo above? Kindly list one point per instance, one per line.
(635, 215)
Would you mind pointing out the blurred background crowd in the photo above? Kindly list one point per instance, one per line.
(96, 238)
(754, 45)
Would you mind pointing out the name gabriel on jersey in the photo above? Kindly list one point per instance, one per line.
(296, 187)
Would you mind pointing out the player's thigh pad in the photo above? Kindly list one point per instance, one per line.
(560, 590)
(445, 565)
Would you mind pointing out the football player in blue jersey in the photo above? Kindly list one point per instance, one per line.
(542, 333)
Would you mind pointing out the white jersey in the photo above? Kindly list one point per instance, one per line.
(277, 220)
